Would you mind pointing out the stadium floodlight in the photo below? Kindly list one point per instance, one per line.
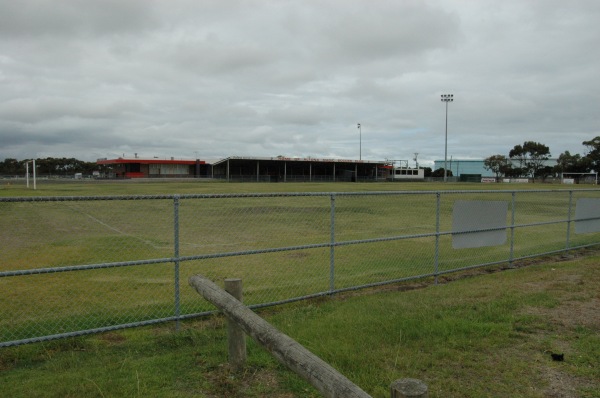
(359, 142)
(446, 98)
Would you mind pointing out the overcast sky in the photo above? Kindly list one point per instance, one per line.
(218, 78)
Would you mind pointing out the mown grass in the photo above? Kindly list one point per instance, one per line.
(133, 187)
(45, 234)
(487, 335)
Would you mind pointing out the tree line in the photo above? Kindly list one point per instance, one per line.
(530, 160)
(50, 166)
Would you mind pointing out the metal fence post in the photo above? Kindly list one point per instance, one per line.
(568, 243)
(512, 230)
(437, 237)
(332, 245)
(176, 257)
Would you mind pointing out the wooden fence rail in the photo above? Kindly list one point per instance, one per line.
(330, 382)
(320, 374)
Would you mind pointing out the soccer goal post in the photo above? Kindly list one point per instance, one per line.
(27, 173)
(579, 178)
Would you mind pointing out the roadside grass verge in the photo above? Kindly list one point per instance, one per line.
(487, 335)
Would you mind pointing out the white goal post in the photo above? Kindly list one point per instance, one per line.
(27, 173)
(579, 178)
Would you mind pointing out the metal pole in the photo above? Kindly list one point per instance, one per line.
(437, 238)
(569, 221)
(332, 244)
(446, 147)
(333, 172)
(446, 98)
(512, 230)
(34, 183)
(359, 142)
(176, 255)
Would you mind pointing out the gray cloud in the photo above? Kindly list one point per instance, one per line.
(36, 18)
(246, 77)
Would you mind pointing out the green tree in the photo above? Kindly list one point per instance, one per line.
(497, 164)
(61, 166)
(572, 163)
(514, 171)
(593, 154)
(544, 172)
(518, 154)
(440, 173)
(532, 157)
(12, 166)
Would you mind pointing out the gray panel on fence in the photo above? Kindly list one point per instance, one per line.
(476, 215)
(587, 208)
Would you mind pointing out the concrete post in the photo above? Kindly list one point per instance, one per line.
(409, 388)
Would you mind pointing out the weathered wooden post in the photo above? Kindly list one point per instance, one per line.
(409, 388)
(330, 382)
(236, 338)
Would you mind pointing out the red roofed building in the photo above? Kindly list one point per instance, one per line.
(154, 168)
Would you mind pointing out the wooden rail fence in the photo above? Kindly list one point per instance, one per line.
(321, 375)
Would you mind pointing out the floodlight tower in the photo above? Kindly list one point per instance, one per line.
(446, 98)
(359, 142)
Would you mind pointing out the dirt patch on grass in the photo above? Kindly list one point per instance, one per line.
(561, 384)
(112, 338)
(575, 313)
(225, 382)
(579, 307)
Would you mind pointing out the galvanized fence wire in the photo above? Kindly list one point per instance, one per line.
(80, 265)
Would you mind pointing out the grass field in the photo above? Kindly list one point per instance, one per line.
(64, 233)
(148, 187)
(489, 335)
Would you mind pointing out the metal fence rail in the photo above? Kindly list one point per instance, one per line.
(78, 265)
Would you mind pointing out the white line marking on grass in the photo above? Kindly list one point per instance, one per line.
(147, 242)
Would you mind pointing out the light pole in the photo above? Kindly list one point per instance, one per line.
(359, 142)
(446, 98)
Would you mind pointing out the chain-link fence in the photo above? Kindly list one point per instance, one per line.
(78, 265)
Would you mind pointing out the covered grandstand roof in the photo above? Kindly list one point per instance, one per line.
(305, 159)
(147, 161)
